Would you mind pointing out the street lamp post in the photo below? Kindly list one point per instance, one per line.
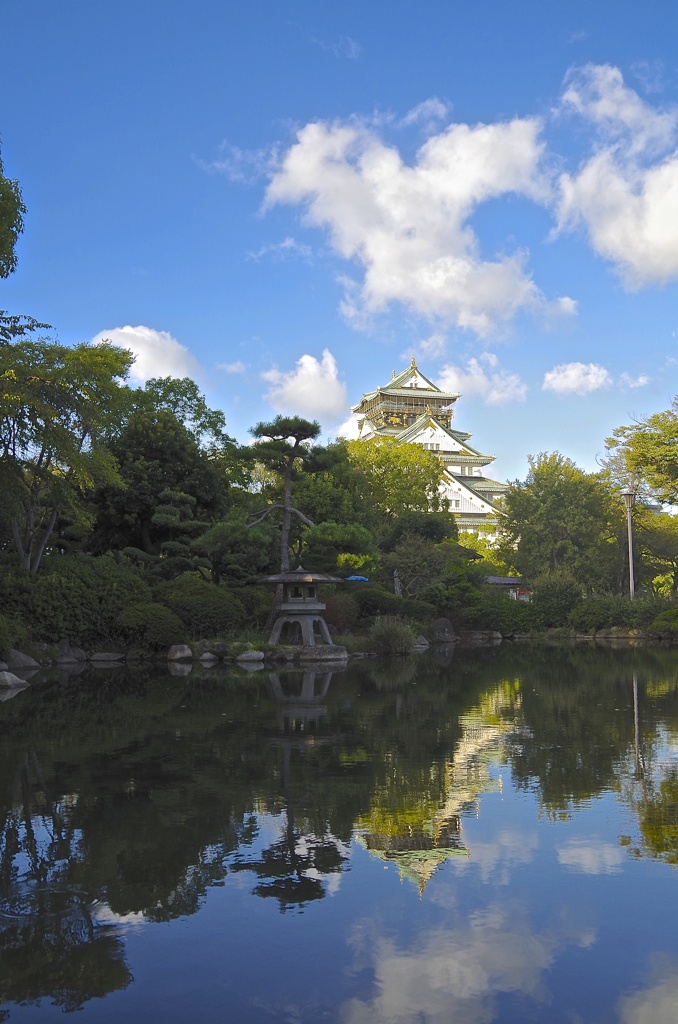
(630, 500)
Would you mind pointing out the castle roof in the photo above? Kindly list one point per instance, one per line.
(403, 384)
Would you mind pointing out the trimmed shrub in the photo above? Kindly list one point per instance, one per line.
(498, 611)
(666, 622)
(12, 634)
(422, 612)
(206, 610)
(256, 602)
(391, 636)
(79, 597)
(641, 612)
(555, 595)
(595, 613)
(151, 625)
(373, 601)
(342, 610)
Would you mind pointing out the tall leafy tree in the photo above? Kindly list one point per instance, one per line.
(182, 397)
(236, 554)
(332, 547)
(560, 517)
(284, 445)
(399, 477)
(169, 490)
(657, 537)
(649, 451)
(333, 490)
(56, 407)
(12, 210)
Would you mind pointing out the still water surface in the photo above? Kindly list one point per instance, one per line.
(466, 837)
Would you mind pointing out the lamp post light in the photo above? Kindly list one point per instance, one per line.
(630, 500)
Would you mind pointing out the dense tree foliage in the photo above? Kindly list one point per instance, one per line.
(399, 477)
(563, 518)
(12, 210)
(648, 450)
(56, 406)
(168, 493)
(284, 446)
(658, 544)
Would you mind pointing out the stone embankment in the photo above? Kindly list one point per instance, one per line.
(180, 658)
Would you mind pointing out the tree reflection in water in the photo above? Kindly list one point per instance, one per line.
(127, 796)
(296, 869)
(50, 943)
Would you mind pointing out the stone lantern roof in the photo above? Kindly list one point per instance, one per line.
(300, 575)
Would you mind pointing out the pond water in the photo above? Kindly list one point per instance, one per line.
(465, 836)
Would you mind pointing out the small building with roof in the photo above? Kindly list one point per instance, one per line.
(412, 408)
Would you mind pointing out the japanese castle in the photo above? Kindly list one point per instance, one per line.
(411, 408)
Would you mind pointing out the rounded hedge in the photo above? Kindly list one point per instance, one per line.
(391, 636)
(205, 609)
(75, 597)
(151, 625)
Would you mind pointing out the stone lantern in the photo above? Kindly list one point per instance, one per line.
(301, 610)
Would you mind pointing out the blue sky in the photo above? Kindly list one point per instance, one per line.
(287, 200)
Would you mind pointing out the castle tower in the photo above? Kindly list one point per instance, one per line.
(412, 408)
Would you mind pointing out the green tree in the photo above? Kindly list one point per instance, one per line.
(495, 562)
(12, 212)
(330, 546)
(649, 451)
(284, 445)
(182, 397)
(563, 518)
(168, 493)
(432, 526)
(657, 538)
(555, 595)
(238, 554)
(14, 326)
(56, 406)
(332, 489)
(399, 477)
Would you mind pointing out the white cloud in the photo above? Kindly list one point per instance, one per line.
(283, 250)
(345, 47)
(157, 353)
(628, 381)
(456, 973)
(433, 346)
(650, 74)
(237, 367)
(591, 857)
(406, 226)
(494, 385)
(626, 193)
(495, 860)
(312, 389)
(580, 378)
(597, 93)
(655, 1004)
(566, 306)
(428, 113)
(242, 166)
(348, 429)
